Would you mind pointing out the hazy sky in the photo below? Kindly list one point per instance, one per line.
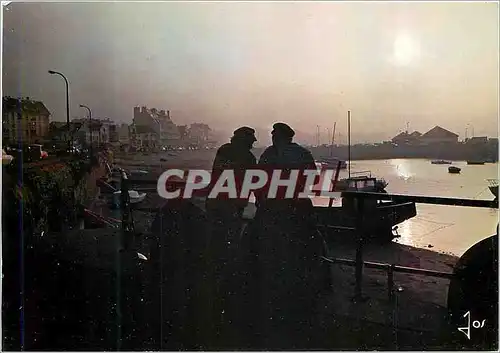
(229, 64)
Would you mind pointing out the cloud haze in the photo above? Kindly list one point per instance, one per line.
(231, 64)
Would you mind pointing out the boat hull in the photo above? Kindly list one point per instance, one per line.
(379, 221)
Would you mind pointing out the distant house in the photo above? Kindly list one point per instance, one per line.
(58, 131)
(99, 132)
(199, 133)
(405, 138)
(144, 137)
(438, 135)
(24, 120)
(159, 121)
(477, 140)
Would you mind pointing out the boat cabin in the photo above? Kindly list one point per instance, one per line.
(361, 183)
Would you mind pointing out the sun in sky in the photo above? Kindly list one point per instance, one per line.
(406, 50)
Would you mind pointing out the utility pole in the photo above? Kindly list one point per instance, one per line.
(70, 137)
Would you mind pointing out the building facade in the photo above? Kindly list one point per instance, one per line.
(199, 133)
(103, 131)
(406, 138)
(435, 135)
(438, 135)
(143, 137)
(159, 121)
(24, 120)
(124, 134)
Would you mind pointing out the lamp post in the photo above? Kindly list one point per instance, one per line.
(90, 126)
(67, 103)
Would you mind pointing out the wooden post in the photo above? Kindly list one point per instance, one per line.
(359, 249)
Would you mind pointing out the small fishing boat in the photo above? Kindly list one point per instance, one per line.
(475, 162)
(454, 170)
(493, 186)
(364, 178)
(331, 163)
(440, 161)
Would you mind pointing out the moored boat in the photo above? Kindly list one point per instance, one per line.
(362, 181)
(475, 162)
(440, 161)
(332, 163)
(454, 170)
(381, 216)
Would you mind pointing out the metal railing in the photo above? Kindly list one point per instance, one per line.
(359, 263)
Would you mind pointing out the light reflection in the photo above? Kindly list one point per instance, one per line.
(406, 231)
(402, 168)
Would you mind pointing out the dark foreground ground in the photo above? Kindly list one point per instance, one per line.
(76, 292)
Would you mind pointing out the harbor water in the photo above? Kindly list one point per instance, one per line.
(446, 229)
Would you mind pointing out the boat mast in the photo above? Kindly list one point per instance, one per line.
(333, 139)
(349, 141)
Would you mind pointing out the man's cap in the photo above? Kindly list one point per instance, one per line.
(245, 132)
(283, 129)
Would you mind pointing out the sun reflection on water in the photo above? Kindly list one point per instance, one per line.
(402, 168)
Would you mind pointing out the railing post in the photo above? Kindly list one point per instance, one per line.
(127, 225)
(390, 281)
(359, 248)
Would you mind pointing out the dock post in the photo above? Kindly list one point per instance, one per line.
(359, 249)
(127, 223)
(390, 281)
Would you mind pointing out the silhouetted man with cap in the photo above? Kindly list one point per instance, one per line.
(288, 248)
(226, 222)
(286, 155)
(236, 156)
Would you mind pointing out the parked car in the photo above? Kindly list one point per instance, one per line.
(36, 152)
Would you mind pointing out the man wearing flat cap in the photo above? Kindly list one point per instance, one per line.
(288, 245)
(225, 217)
(284, 154)
(235, 155)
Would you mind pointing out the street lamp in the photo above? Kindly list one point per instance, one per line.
(90, 126)
(67, 103)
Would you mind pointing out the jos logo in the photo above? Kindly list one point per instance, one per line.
(475, 324)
